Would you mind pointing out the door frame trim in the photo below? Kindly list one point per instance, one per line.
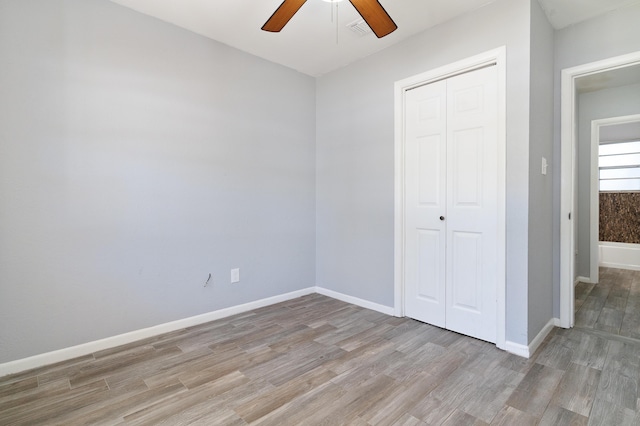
(568, 197)
(594, 240)
(495, 56)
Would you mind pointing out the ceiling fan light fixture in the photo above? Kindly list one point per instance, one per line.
(370, 10)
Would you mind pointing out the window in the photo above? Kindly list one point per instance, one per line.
(619, 166)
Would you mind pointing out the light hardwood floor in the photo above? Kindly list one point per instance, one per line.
(319, 361)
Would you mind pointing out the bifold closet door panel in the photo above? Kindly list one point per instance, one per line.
(425, 198)
(472, 203)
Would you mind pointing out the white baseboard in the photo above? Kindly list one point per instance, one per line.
(121, 339)
(356, 301)
(528, 350)
(537, 341)
(620, 266)
(619, 255)
(583, 280)
(516, 349)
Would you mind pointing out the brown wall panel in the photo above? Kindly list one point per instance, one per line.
(620, 217)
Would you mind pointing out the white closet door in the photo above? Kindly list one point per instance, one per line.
(472, 204)
(451, 203)
(425, 197)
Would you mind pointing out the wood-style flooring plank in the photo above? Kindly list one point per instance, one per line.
(17, 386)
(35, 396)
(609, 320)
(618, 383)
(605, 413)
(576, 391)
(510, 416)
(555, 416)
(47, 410)
(393, 406)
(461, 418)
(157, 412)
(266, 403)
(558, 354)
(357, 401)
(589, 350)
(630, 326)
(318, 402)
(582, 290)
(120, 404)
(535, 390)
(586, 318)
(409, 420)
(493, 392)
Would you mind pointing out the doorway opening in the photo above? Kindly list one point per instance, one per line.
(571, 79)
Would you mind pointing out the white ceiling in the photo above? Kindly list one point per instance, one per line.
(562, 13)
(308, 42)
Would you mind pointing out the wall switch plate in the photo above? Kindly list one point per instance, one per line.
(235, 275)
(544, 166)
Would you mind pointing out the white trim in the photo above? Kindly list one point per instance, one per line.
(136, 335)
(537, 341)
(586, 280)
(497, 56)
(620, 255)
(388, 310)
(517, 349)
(398, 233)
(65, 354)
(567, 161)
(528, 350)
(594, 243)
(121, 339)
(567, 179)
(594, 203)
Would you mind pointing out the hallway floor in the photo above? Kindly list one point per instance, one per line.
(612, 305)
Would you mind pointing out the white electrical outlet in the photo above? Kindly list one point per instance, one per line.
(235, 275)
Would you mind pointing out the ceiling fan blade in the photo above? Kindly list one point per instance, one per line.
(282, 15)
(375, 16)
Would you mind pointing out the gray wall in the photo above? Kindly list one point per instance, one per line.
(135, 159)
(540, 300)
(621, 132)
(613, 34)
(604, 103)
(355, 155)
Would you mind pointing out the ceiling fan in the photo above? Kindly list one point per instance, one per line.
(371, 11)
